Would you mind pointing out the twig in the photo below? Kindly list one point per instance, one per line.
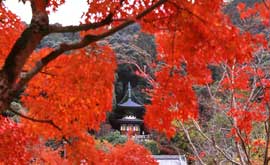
(84, 42)
(191, 143)
(36, 120)
(83, 27)
(265, 4)
(213, 143)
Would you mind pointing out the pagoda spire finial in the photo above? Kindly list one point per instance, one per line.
(129, 90)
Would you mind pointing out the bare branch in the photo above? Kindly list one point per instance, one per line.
(27, 42)
(190, 142)
(83, 27)
(265, 4)
(84, 42)
(212, 141)
(144, 74)
(36, 120)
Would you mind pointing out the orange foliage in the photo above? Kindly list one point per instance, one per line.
(78, 89)
(260, 10)
(75, 91)
(9, 24)
(19, 147)
(129, 153)
(195, 38)
(11, 152)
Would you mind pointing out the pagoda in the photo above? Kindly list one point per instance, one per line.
(130, 121)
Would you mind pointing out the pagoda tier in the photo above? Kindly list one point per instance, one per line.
(131, 113)
(130, 125)
(130, 107)
(130, 104)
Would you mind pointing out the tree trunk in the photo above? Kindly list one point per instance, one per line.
(5, 88)
(20, 52)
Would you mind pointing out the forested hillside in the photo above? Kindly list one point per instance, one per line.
(134, 50)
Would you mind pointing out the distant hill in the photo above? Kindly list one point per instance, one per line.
(130, 45)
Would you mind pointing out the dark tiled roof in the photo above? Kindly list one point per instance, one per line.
(130, 103)
(130, 121)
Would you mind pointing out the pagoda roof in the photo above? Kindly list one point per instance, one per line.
(129, 103)
(130, 119)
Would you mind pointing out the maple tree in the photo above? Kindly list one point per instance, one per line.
(186, 52)
(172, 106)
(66, 95)
(239, 126)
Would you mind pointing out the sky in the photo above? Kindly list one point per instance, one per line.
(67, 14)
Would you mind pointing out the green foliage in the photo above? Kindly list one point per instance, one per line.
(152, 146)
(115, 138)
(130, 48)
(179, 141)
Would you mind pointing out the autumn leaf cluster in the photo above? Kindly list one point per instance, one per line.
(68, 90)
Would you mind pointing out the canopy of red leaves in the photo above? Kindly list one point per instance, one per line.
(73, 93)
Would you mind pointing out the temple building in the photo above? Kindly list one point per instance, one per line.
(131, 115)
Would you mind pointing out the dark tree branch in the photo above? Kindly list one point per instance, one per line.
(27, 42)
(83, 27)
(66, 140)
(36, 120)
(84, 42)
(265, 4)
